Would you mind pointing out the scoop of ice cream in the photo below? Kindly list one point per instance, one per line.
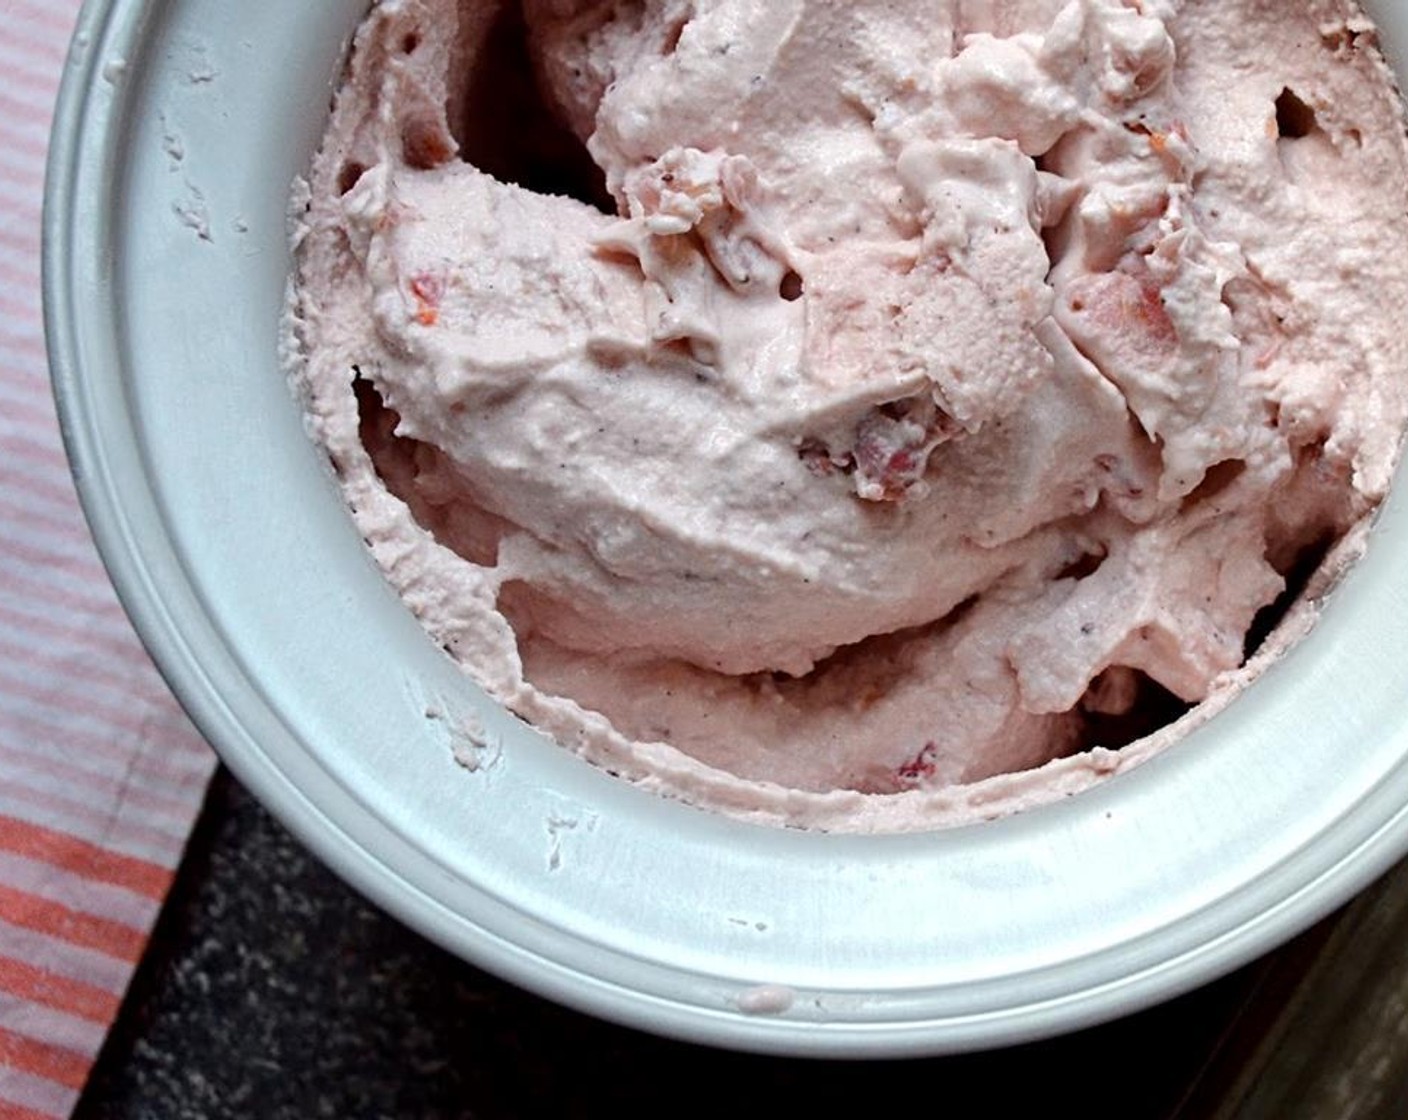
(912, 390)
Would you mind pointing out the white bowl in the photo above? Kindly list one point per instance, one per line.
(180, 129)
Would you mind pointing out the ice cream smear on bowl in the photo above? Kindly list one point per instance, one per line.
(867, 415)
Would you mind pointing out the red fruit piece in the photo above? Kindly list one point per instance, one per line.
(428, 290)
(1117, 302)
(893, 445)
(921, 766)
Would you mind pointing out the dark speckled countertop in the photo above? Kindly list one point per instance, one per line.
(273, 991)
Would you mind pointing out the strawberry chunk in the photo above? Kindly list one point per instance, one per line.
(428, 290)
(921, 767)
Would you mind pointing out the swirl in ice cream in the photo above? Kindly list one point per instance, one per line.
(827, 411)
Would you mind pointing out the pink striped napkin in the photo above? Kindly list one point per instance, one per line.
(101, 776)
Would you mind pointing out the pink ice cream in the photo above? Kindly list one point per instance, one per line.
(918, 401)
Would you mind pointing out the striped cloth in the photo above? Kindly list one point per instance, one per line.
(100, 774)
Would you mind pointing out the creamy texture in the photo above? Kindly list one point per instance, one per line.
(948, 391)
